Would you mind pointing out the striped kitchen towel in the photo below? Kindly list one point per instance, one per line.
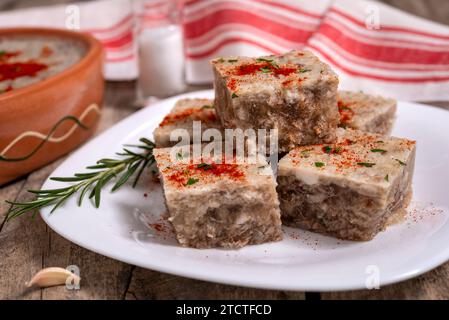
(372, 47)
(237, 27)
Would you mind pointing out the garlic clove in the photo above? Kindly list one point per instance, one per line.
(53, 276)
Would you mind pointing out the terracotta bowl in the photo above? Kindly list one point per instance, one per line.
(45, 120)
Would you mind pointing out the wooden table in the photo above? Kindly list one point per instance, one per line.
(28, 245)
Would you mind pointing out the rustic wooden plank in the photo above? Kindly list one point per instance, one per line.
(22, 243)
(147, 284)
(435, 10)
(101, 277)
(9, 192)
(27, 245)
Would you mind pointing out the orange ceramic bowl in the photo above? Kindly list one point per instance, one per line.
(47, 119)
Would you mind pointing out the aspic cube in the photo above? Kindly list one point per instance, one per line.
(349, 189)
(294, 93)
(217, 203)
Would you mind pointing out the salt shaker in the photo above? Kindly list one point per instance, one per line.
(161, 56)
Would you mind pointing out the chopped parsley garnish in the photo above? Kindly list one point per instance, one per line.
(402, 163)
(192, 181)
(319, 164)
(305, 153)
(304, 70)
(265, 70)
(264, 60)
(380, 141)
(220, 60)
(2, 52)
(205, 166)
(179, 156)
(274, 64)
(366, 164)
(378, 150)
(208, 106)
(233, 60)
(234, 95)
(386, 178)
(327, 149)
(270, 61)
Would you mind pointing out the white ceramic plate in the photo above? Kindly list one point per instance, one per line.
(128, 226)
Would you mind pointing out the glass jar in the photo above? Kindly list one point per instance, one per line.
(161, 55)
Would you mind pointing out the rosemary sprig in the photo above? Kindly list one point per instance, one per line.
(92, 183)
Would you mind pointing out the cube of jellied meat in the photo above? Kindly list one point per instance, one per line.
(182, 116)
(349, 189)
(212, 204)
(295, 93)
(366, 112)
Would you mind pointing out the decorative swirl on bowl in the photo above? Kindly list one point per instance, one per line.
(49, 137)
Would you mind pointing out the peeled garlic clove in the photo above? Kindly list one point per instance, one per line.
(53, 276)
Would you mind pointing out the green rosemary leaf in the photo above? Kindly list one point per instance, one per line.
(108, 161)
(125, 176)
(144, 147)
(60, 202)
(49, 191)
(67, 179)
(99, 186)
(97, 166)
(139, 173)
(82, 194)
(86, 175)
(147, 141)
(30, 207)
(128, 152)
(90, 183)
